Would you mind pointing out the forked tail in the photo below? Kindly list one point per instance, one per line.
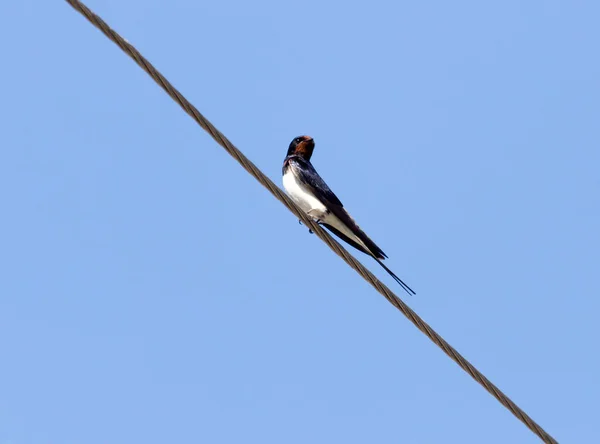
(396, 278)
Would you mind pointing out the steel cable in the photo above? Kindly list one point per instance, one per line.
(335, 246)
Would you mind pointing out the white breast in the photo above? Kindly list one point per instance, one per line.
(300, 194)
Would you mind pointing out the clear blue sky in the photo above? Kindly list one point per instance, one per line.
(153, 292)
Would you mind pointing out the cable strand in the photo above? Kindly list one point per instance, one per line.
(190, 109)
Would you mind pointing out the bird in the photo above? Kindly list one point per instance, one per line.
(309, 191)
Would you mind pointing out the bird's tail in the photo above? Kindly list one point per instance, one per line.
(396, 278)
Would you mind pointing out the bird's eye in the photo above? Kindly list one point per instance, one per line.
(298, 140)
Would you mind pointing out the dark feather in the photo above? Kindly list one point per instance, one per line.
(346, 238)
(308, 175)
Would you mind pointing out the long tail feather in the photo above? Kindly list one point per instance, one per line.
(396, 278)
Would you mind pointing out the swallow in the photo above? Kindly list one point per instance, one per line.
(305, 187)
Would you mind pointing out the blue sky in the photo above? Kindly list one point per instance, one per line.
(152, 291)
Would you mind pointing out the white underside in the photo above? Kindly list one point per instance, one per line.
(313, 206)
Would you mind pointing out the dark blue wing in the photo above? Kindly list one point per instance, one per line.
(307, 174)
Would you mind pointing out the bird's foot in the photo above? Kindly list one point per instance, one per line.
(317, 221)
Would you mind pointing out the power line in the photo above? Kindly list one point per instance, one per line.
(336, 247)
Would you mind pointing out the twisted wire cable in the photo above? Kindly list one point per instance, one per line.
(190, 109)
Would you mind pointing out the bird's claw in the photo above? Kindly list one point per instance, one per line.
(309, 230)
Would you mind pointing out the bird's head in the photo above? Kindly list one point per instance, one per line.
(302, 146)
